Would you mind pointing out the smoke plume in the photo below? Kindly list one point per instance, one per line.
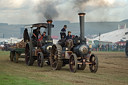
(97, 10)
(47, 9)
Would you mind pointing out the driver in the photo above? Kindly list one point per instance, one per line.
(69, 41)
(44, 35)
(36, 33)
(69, 36)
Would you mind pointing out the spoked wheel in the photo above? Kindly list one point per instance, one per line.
(94, 66)
(73, 63)
(28, 58)
(12, 55)
(40, 60)
(81, 66)
(55, 57)
(15, 58)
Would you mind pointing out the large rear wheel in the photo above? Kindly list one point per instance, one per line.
(73, 63)
(94, 66)
(28, 56)
(55, 57)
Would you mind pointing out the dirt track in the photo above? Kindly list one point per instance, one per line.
(113, 70)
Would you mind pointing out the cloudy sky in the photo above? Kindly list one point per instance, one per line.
(33, 11)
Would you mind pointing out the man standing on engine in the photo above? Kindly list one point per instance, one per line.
(63, 32)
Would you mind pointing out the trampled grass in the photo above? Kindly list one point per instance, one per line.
(7, 79)
(112, 71)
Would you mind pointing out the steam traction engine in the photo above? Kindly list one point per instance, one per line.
(74, 52)
(39, 50)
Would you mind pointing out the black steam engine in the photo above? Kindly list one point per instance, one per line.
(39, 50)
(74, 52)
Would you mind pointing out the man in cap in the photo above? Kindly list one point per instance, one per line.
(69, 41)
(63, 32)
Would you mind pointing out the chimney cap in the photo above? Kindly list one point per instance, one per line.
(81, 14)
(49, 21)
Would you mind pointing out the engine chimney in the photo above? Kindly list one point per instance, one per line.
(49, 22)
(81, 17)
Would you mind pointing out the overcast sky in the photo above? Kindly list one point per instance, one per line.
(28, 11)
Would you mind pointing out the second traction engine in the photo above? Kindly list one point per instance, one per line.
(80, 47)
(74, 52)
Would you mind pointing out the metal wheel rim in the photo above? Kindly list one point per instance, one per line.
(40, 60)
(94, 66)
(27, 55)
(73, 63)
(55, 57)
(15, 58)
(94, 63)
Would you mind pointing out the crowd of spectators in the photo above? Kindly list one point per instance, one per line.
(108, 47)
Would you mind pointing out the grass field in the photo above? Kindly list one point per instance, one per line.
(113, 70)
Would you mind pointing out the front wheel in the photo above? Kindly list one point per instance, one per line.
(16, 56)
(94, 66)
(40, 60)
(55, 57)
(73, 63)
